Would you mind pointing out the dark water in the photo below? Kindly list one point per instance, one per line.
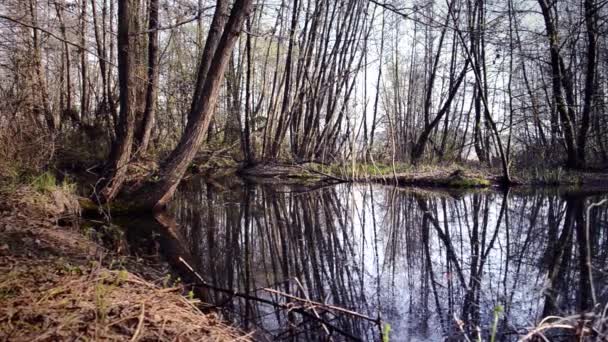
(417, 259)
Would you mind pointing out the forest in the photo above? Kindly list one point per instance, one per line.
(509, 85)
(109, 109)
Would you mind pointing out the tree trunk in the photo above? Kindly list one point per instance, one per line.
(84, 95)
(145, 131)
(418, 149)
(121, 154)
(247, 146)
(562, 108)
(39, 70)
(429, 126)
(213, 39)
(101, 52)
(275, 146)
(589, 93)
(66, 55)
(177, 163)
(232, 128)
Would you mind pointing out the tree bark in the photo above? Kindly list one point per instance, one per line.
(145, 131)
(103, 67)
(566, 118)
(589, 93)
(116, 169)
(172, 171)
(68, 107)
(84, 95)
(39, 70)
(213, 39)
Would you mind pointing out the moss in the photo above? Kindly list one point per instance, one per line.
(305, 175)
(44, 182)
(122, 207)
(361, 169)
(116, 207)
(87, 205)
(469, 182)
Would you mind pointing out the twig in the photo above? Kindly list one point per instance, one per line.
(588, 243)
(176, 25)
(328, 306)
(560, 323)
(312, 307)
(17, 21)
(460, 325)
(139, 324)
(248, 296)
(323, 174)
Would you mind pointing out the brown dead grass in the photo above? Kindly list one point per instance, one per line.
(24, 147)
(43, 302)
(54, 287)
(592, 326)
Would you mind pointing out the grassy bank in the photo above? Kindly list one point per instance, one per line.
(464, 175)
(57, 283)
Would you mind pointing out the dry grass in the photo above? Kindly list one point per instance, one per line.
(53, 287)
(588, 327)
(42, 302)
(24, 148)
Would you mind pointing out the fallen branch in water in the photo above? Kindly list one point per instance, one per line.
(323, 174)
(588, 248)
(328, 307)
(312, 306)
(299, 309)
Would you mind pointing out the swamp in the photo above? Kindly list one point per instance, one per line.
(304, 170)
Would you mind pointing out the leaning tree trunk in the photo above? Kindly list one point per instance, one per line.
(172, 171)
(419, 147)
(211, 45)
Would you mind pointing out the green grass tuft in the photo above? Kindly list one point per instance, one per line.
(46, 183)
(469, 183)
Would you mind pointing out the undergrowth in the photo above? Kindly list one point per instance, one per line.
(46, 182)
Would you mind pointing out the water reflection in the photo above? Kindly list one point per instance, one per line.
(417, 260)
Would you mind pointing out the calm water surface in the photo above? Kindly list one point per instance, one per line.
(418, 260)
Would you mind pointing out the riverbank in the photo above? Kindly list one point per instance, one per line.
(56, 283)
(83, 289)
(458, 176)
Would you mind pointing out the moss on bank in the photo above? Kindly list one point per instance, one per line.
(472, 182)
(450, 176)
(468, 175)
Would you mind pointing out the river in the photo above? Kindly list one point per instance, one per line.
(428, 264)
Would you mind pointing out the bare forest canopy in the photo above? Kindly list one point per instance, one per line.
(507, 83)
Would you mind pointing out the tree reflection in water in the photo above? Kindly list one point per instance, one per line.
(419, 260)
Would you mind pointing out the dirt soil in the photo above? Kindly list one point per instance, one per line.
(56, 284)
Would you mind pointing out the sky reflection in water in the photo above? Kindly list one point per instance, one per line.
(416, 258)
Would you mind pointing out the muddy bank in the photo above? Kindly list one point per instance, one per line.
(58, 284)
